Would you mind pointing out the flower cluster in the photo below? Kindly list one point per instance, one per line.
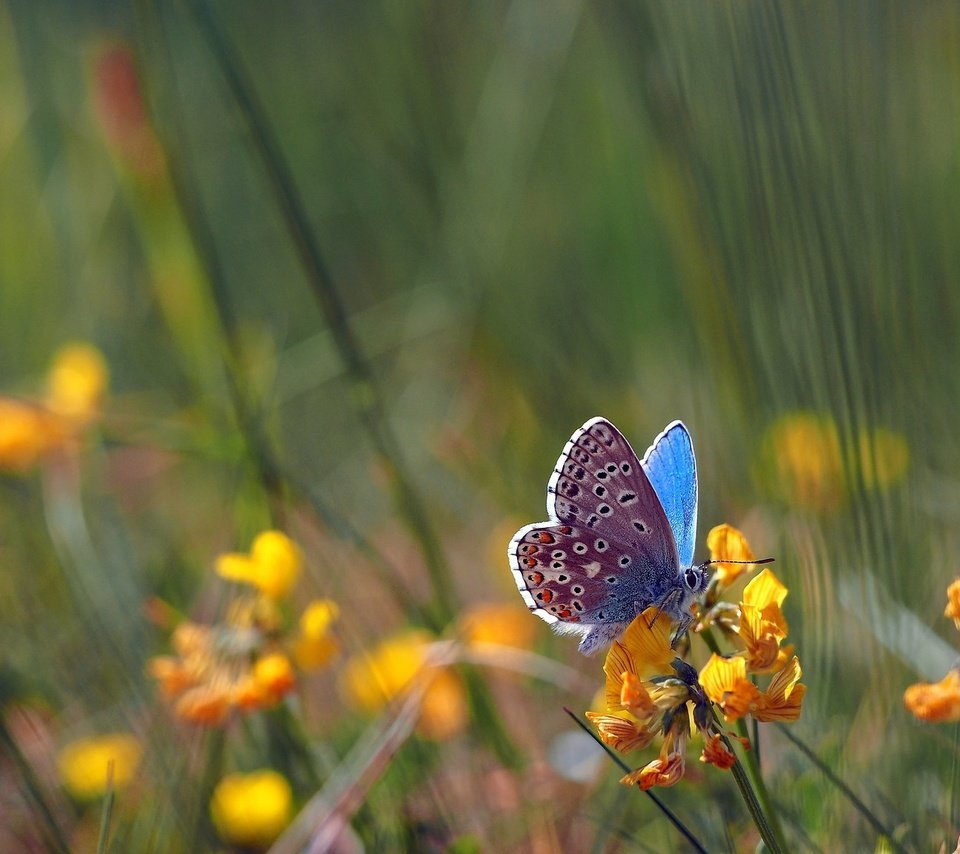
(939, 702)
(245, 662)
(33, 430)
(651, 692)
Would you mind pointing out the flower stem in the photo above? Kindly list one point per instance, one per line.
(759, 790)
(671, 817)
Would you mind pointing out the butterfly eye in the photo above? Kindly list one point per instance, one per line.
(691, 578)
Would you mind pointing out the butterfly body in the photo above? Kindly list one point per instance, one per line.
(619, 538)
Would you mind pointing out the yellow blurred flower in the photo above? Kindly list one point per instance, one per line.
(316, 644)
(372, 679)
(77, 382)
(31, 430)
(762, 624)
(444, 711)
(953, 603)
(806, 461)
(807, 466)
(84, 764)
(884, 457)
(937, 702)
(252, 809)
(509, 625)
(27, 433)
(727, 543)
(272, 566)
(273, 673)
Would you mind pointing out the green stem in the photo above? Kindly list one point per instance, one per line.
(850, 795)
(107, 814)
(670, 815)
(750, 780)
(762, 794)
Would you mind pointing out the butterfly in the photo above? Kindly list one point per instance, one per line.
(620, 536)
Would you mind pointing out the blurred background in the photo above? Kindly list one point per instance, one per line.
(356, 271)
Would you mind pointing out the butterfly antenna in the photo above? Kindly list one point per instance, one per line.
(705, 564)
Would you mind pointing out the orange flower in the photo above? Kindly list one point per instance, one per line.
(663, 771)
(953, 603)
(205, 704)
(762, 624)
(668, 767)
(716, 753)
(727, 543)
(938, 702)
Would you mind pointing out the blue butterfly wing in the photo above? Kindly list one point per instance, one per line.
(672, 470)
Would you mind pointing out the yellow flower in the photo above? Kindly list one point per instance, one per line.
(76, 382)
(953, 603)
(31, 430)
(783, 698)
(509, 625)
(83, 764)
(762, 624)
(884, 456)
(316, 645)
(938, 702)
(27, 433)
(803, 451)
(273, 565)
(251, 810)
(274, 674)
(807, 463)
(727, 543)
(372, 679)
(443, 712)
(725, 682)
(643, 649)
